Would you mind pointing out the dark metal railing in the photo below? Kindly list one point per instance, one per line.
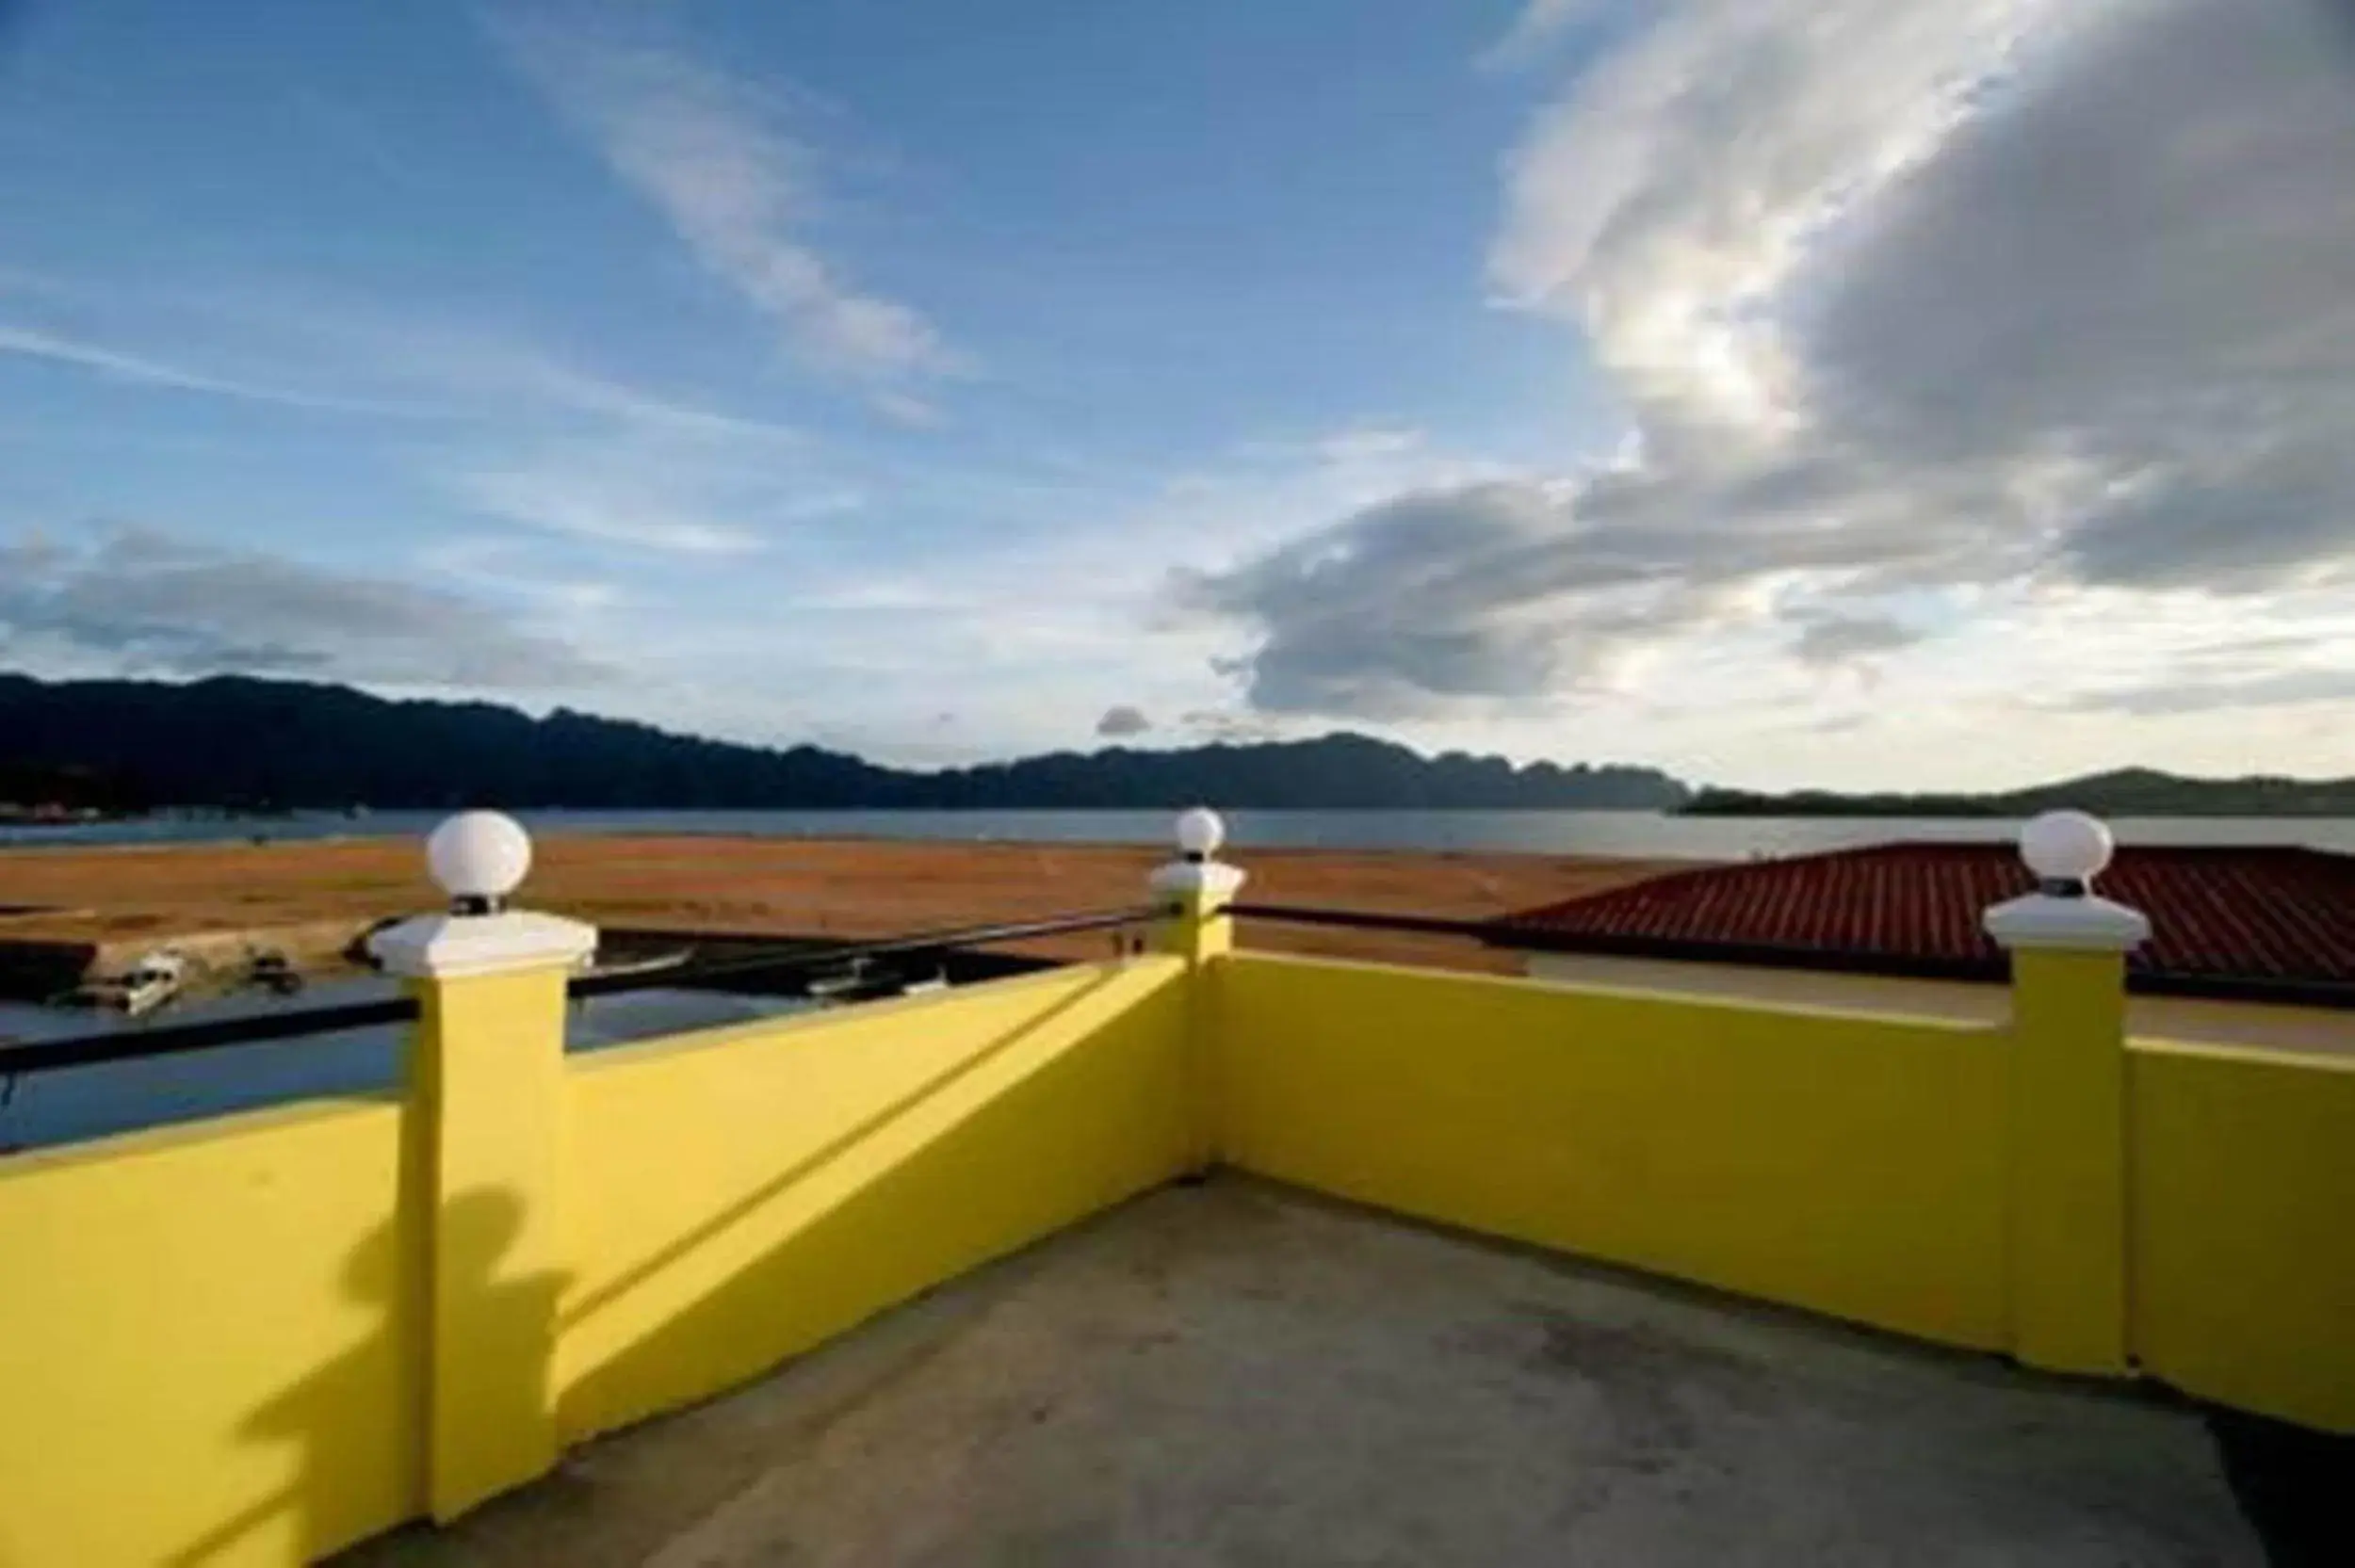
(212, 1034)
(812, 961)
(1365, 920)
(782, 960)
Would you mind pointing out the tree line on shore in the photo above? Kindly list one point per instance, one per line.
(2122, 792)
(244, 744)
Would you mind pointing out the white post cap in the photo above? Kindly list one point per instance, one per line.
(2066, 849)
(1200, 832)
(478, 858)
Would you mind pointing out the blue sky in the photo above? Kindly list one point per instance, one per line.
(1570, 380)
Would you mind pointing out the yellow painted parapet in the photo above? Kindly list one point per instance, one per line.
(739, 1195)
(212, 1342)
(2241, 1211)
(1849, 1164)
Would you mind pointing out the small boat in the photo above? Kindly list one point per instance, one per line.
(148, 984)
(153, 981)
(275, 973)
(851, 983)
(639, 963)
(861, 983)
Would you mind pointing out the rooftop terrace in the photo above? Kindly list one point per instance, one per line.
(1239, 1373)
(1057, 1269)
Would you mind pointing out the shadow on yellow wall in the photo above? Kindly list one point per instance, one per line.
(172, 1298)
(846, 1144)
(1004, 1137)
(312, 1419)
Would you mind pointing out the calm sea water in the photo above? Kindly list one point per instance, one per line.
(90, 1102)
(1591, 832)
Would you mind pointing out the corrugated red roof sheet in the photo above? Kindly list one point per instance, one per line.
(2249, 915)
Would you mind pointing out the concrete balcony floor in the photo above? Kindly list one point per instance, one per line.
(1239, 1374)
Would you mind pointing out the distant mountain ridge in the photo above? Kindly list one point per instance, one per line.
(2121, 792)
(236, 742)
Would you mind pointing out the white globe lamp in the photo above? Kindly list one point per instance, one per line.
(2065, 850)
(478, 858)
(1200, 832)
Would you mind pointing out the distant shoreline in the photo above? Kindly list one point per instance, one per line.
(61, 816)
(1979, 811)
(2133, 792)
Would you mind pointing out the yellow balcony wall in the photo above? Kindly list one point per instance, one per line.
(1849, 1164)
(734, 1197)
(210, 1342)
(2241, 1232)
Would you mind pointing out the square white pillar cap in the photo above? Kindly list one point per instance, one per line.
(442, 946)
(480, 858)
(1197, 879)
(1196, 873)
(2087, 922)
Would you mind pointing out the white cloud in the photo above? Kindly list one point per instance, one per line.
(504, 566)
(489, 373)
(2291, 687)
(1665, 202)
(885, 597)
(709, 155)
(617, 506)
(1416, 604)
(1941, 320)
(1368, 443)
(2141, 279)
(289, 347)
(139, 601)
(1540, 24)
(1832, 641)
(1211, 726)
(139, 369)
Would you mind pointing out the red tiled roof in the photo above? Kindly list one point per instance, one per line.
(2231, 914)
